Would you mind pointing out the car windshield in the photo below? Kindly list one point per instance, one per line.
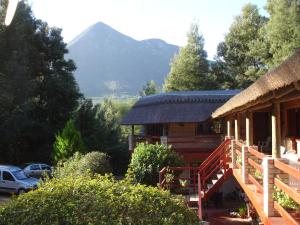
(20, 175)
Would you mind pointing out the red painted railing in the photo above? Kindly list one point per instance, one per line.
(183, 180)
(216, 162)
(197, 178)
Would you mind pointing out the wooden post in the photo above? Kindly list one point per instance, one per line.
(199, 198)
(233, 154)
(237, 128)
(245, 167)
(132, 129)
(249, 128)
(269, 173)
(276, 131)
(228, 128)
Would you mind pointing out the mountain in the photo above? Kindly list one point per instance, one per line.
(109, 62)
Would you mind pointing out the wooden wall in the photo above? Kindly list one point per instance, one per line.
(182, 129)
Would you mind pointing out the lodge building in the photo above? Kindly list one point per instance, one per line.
(234, 134)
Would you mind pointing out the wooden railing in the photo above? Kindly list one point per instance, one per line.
(274, 173)
(255, 170)
(216, 161)
(281, 182)
(181, 180)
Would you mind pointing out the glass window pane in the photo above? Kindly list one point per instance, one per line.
(7, 176)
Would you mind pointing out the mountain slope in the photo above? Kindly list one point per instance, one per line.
(109, 62)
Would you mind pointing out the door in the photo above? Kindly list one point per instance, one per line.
(8, 182)
(35, 171)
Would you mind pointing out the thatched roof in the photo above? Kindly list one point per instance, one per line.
(285, 74)
(177, 107)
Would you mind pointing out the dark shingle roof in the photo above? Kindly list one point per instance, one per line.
(177, 107)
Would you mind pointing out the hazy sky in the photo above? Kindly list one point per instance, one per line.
(142, 19)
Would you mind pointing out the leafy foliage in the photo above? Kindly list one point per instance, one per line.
(40, 92)
(282, 32)
(148, 159)
(67, 142)
(284, 200)
(99, 200)
(89, 164)
(149, 89)
(100, 128)
(189, 69)
(235, 50)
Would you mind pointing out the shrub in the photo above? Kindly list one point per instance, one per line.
(284, 200)
(89, 164)
(67, 142)
(98, 200)
(148, 159)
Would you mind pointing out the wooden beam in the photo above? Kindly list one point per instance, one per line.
(228, 128)
(276, 130)
(237, 128)
(249, 128)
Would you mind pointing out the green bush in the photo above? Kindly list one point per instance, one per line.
(148, 159)
(67, 142)
(99, 200)
(89, 164)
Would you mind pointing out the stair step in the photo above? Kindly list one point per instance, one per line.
(219, 175)
(214, 181)
(209, 186)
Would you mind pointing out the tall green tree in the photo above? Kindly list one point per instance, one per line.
(243, 67)
(189, 68)
(40, 90)
(282, 32)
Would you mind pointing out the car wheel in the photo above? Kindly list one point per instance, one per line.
(21, 191)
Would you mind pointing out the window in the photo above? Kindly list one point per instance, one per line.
(155, 129)
(293, 122)
(7, 176)
(45, 167)
(34, 167)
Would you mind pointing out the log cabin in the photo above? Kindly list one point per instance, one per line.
(181, 119)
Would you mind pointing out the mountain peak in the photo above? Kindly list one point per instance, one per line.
(110, 62)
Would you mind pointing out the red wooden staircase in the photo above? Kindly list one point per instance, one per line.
(205, 179)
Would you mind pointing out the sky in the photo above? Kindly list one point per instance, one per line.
(168, 20)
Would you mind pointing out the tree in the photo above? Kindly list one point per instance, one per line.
(67, 142)
(234, 51)
(149, 89)
(282, 31)
(40, 90)
(189, 68)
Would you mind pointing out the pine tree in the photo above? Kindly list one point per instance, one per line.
(67, 142)
(243, 66)
(189, 68)
(283, 29)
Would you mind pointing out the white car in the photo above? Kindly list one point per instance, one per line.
(14, 180)
(37, 170)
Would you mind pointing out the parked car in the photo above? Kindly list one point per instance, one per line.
(37, 170)
(14, 180)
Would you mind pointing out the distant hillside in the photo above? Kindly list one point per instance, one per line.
(109, 62)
